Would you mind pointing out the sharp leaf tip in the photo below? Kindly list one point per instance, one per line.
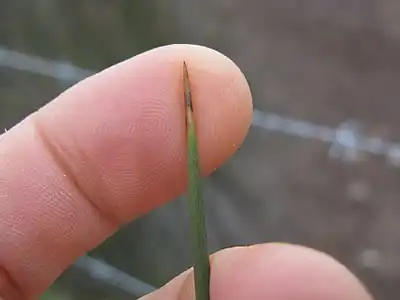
(186, 82)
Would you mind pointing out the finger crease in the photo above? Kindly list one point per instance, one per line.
(9, 289)
(65, 168)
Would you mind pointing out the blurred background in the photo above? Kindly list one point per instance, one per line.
(320, 166)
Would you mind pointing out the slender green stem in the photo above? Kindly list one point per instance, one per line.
(196, 206)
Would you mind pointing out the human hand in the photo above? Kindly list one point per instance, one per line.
(112, 148)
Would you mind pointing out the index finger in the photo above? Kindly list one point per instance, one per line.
(108, 150)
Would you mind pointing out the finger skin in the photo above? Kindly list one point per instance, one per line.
(108, 150)
(270, 271)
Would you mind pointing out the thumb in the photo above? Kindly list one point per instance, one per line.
(269, 271)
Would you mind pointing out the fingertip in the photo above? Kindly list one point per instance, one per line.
(221, 94)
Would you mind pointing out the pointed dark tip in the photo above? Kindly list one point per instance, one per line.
(186, 83)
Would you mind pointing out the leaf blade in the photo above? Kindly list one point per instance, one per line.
(195, 196)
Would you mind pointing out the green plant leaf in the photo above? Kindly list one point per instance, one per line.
(195, 196)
